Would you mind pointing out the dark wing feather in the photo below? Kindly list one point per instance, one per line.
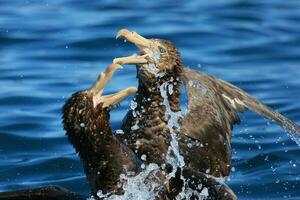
(254, 105)
(242, 99)
(212, 111)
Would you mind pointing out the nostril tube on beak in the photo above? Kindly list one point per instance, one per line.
(135, 38)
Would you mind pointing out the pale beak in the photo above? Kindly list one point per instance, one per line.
(135, 38)
(134, 59)
(98, 87)
(113, 99)
(104, 78)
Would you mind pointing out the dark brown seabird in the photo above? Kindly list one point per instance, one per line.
(205, 131)
(105, 158)
(86, 121)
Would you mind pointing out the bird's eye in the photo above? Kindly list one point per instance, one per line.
(161, 49)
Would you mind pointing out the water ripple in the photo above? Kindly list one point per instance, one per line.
(49, 49)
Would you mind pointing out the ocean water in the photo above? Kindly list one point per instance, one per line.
(50, 49)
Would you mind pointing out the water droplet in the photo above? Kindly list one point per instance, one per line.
(144, 157)
(204, 192)
(170, 88)
(133, 105)
(119, 131)
(135, 127)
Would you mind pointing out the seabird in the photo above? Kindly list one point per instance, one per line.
(205, 131)
(86, 121)
(105, 158)
(145, 125)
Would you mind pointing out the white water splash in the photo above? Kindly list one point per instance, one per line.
(172, 125)
(178, 160)
(136, 188)
(133, 106)
(135, 127)
(295, 136)
(119, 132)
(139, 187)
(145, 185)
(153, 65)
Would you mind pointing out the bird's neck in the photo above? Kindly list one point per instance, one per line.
(104, 159)
(164, 92)
(93, 146)
(150, 118)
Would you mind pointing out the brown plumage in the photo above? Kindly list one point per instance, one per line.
(152, 137)
(205, 131)
(198, 186)
(105, 158)
(86, 121)
(42, 193)
(213, 105)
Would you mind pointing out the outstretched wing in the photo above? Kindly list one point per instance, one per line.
(238, 99)
(212, 111)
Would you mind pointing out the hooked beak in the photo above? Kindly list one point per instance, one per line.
(142, 43)
(134, 38)
(102, 81)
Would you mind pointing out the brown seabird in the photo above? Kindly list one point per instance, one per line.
(205, 131)
(86, 121)
(105, 158)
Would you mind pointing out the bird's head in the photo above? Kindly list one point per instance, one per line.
(86, 113)
(157, 59)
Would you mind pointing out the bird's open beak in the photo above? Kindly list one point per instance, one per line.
(114, 99)
(104, 78)
(134, 59)
(142, 43)
(135, 38)
(102, 81)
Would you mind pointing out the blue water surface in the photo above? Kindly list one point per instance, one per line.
(52, 48)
